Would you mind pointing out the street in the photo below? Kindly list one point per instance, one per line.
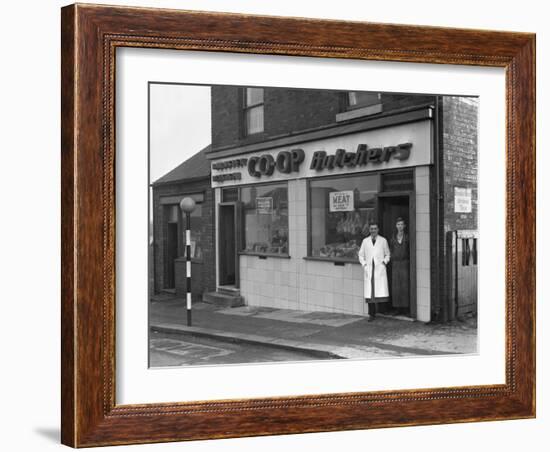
(177, 349)
(250, 334)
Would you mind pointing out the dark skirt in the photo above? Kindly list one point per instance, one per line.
(400, 284)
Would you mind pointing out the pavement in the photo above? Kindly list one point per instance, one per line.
(323, 335)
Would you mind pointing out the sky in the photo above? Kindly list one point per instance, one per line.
(180, 125)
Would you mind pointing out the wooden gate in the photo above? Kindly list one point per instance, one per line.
(463, 254)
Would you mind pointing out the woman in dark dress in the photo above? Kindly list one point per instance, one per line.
(399, 248)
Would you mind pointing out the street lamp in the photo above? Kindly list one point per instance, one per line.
(187, 206)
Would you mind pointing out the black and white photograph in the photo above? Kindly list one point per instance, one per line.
(293, 224)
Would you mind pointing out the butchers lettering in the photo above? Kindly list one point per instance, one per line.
(363, 156)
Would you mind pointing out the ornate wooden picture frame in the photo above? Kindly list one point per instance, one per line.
(90, 37)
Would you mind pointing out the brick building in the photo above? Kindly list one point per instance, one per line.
(190, 179)
(290, 183)
(282, 161)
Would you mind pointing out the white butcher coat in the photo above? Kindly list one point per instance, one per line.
(379, 255)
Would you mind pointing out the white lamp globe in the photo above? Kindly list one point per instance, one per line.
(187, 205)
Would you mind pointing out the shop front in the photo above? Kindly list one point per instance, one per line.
(291, 214)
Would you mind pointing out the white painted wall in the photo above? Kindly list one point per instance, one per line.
(422, 186)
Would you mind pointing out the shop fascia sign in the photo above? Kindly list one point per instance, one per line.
(287, 162)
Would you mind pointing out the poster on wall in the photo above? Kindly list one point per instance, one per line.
(463, 200)
(341, 201)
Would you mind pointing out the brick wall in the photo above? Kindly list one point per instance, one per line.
(292, 110)
(286, 111)
(459, 158)
(226, 121)
(459, 166)
(203, 273)
(398, 101)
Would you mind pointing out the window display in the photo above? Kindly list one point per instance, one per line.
(265, 210)
(340, 212)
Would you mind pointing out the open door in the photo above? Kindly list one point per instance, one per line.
(229, 232)
(392, 207)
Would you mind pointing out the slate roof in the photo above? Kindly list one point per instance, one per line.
(195, 167)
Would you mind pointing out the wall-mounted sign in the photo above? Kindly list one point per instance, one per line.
(233, 163)
(226, 177)
(341, 201)
(463, 200)
(264, 204)
(400, 146)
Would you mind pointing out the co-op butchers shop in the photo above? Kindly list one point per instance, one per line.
(299, 176)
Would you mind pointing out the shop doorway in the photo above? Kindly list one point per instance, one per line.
(392, 207)
(229, 244)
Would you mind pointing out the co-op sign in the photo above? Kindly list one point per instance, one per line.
(316, 158)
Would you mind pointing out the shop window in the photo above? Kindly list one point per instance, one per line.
(253, 111)
(265, 211)
(359, 99)
(340, 212)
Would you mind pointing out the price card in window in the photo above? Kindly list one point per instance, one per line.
(264, 204)
(341, 201)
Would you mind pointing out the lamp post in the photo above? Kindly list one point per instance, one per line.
(187, 206)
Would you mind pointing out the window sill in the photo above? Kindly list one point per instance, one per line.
(359, 112)
(264, 255)
(334, 260)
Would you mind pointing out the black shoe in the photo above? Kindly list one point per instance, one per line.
(371, 319)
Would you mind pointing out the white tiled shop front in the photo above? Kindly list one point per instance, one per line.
(298, 283)
(422, 195)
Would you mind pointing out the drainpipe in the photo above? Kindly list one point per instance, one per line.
(440, 268)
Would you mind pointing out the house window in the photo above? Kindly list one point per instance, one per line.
(359, 99)
(340, 212)
(230, 194)
(265, 211)
(253, 111)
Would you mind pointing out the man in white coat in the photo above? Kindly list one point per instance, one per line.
(374, 255)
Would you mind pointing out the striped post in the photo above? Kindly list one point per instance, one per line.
(187, 206)
(188, 264)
